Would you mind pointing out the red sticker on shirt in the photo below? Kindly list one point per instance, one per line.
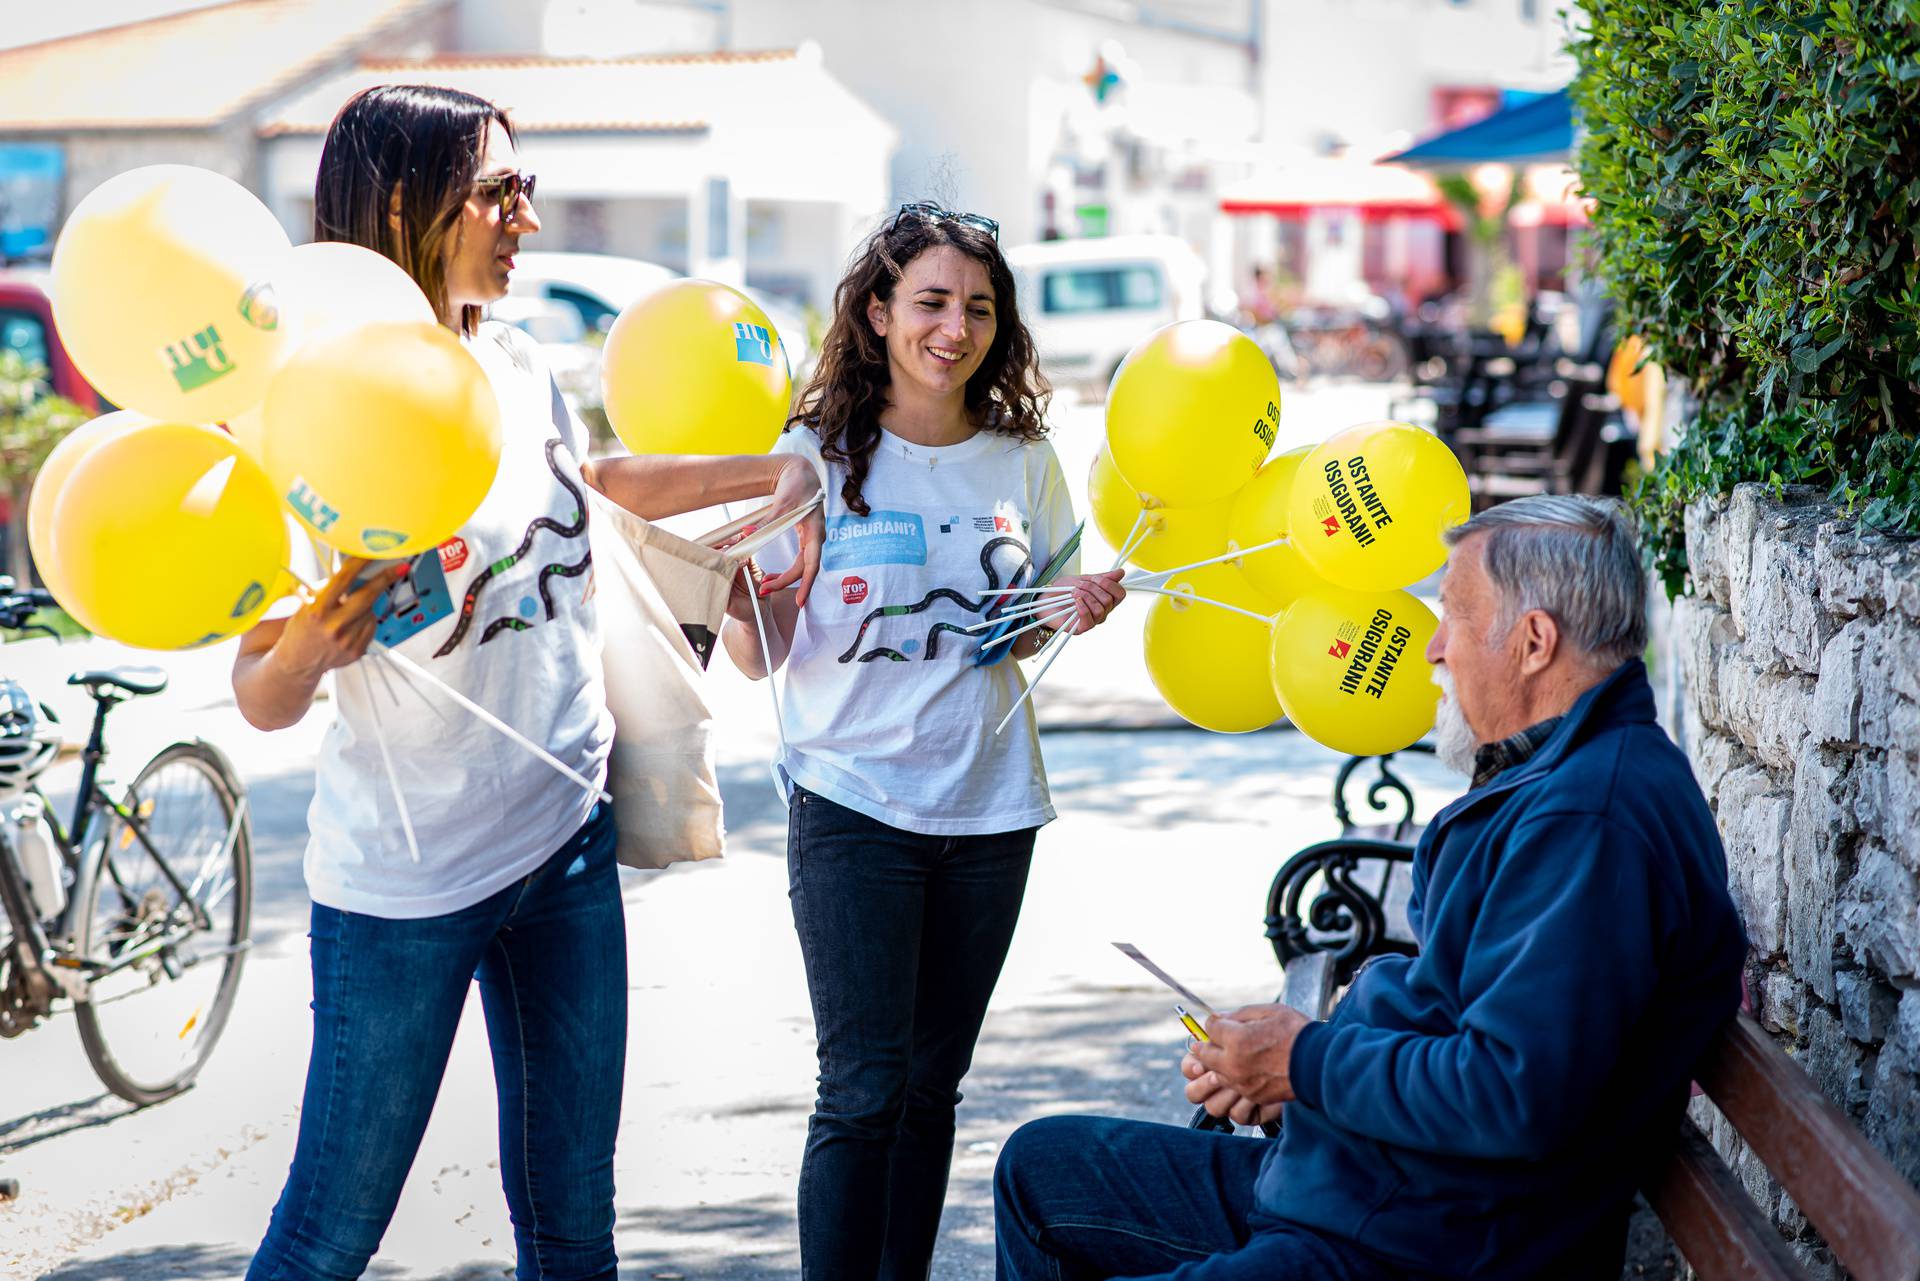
(853, 589)
(453, 554)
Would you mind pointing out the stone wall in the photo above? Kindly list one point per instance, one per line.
(1799, 652)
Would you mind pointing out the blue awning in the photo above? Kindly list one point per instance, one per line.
(1537, 131)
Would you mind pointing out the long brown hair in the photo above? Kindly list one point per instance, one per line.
(426, 143)
(842, 403)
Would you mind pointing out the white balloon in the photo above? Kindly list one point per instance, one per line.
(330, 286)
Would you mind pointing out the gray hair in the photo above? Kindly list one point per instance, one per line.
(1574, 557)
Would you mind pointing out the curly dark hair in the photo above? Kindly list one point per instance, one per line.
(843, 401)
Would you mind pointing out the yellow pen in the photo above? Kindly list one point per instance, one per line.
(1194, 1030)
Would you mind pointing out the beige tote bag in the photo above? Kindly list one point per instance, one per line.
(661, 600)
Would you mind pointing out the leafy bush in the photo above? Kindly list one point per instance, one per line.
(1756, 171)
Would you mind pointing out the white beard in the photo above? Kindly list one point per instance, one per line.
(1453, 741)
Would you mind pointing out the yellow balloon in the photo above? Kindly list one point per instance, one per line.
(1259, 515)
(1192, 412)
(48, 483)
(1351, 670)
(164, 293)
(326, 288)
(1370, 503)
(1208, 664)
(383, 439)
(168, 537)
(1172, 535)
(695, 368)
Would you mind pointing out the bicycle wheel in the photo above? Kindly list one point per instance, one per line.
(149, 1025)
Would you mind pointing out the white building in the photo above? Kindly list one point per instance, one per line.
(749, 167)
(708, 163)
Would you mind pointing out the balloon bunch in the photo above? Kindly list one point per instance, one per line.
(1279, 582)
(179, 296)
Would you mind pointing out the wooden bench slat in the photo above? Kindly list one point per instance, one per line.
(1712, 1219)
(1868, 1213)
(1307, 984)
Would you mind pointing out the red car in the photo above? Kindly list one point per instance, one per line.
(26, 326)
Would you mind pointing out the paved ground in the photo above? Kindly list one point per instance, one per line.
(1167, 837)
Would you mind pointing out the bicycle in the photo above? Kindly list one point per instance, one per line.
(161, 885)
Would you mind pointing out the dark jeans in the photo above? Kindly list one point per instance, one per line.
(550, 952)
(1078, 1198)
(903, 936)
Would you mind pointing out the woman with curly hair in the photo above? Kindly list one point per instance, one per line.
(910, 824)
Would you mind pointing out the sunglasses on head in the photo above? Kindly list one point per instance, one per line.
(934, 213)
(511, 187)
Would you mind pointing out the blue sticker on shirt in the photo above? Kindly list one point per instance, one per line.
(883, 538)
(413, 604)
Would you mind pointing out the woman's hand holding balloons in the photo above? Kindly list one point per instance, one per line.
(1094, 596)
(336, 627)
(281, 661)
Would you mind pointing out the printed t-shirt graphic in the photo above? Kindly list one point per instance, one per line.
(899, 538)
(521, 620)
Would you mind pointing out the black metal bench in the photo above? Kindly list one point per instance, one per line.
(1334, 905)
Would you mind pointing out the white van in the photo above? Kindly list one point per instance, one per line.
(1088, 302)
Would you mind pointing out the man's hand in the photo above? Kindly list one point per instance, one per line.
(336, 626)
(1249, 1051)
(1220, 1099)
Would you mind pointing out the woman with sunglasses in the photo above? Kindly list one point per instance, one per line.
(509, 874)
(910, 823)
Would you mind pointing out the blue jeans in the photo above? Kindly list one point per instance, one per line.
(903, 937)
(550, 952)
(1077, 1198)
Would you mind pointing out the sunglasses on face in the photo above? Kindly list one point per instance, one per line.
(511, 187)
(934, 213)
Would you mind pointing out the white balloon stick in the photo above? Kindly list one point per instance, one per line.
(489, 718)
(1058, 646)
(1235, 554)
(386, 759)
(1206, 600)
(1058, 616)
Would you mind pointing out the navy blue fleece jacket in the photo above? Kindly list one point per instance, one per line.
(1485, 1108)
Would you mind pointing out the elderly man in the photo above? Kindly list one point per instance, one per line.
(1483, 1109)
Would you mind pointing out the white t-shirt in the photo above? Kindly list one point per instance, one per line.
(502, 612)
(885, 711)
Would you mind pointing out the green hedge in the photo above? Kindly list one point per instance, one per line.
(1756, 171)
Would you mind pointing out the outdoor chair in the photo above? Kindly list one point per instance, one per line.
(1554, 447)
